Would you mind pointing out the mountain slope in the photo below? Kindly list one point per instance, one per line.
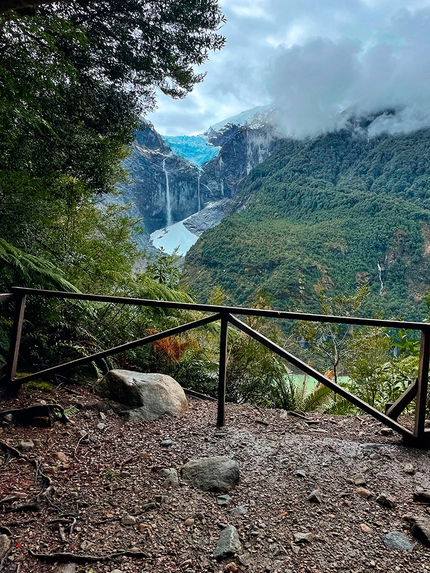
(332, 213)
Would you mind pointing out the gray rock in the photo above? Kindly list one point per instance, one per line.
(397, 540)
(359, 479)
(223, 499)
(128, 520)
(305, 537)
(166, 443)
(4, 545)
(295, 548)
(246, 559)
(315, 496)
(301, 473)
(218, 473)
(149, 395)
(26, 445)
(386, 501)
(364, 493)
(171, 477)
(409, 468)
(101, 426)
(421, 530)
(68, 568)
(239, 510)
(228, 543)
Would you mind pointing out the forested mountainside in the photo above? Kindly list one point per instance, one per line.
(329, 213)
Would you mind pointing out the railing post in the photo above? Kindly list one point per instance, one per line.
(15, 339)
(422, 386)
(222, 370)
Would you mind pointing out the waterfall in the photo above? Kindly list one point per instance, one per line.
(199, 199)
(380, 278)
(168, 203)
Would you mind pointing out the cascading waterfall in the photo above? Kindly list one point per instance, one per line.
(168, 201)
(380, 278)
(199, 198)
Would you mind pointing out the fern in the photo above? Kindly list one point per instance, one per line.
(319, 397)
(28, 264)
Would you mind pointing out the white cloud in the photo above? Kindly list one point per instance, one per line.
(313, 58)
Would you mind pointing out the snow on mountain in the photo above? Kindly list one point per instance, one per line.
(244, 118)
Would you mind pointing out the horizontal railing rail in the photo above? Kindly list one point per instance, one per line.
(417, 391)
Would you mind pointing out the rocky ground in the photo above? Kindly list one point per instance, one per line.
(96, 491)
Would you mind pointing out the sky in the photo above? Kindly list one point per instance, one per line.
(317, 62)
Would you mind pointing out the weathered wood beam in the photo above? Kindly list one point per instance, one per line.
(318, 376)
(402, 401)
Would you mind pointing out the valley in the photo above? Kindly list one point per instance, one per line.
(293, 217)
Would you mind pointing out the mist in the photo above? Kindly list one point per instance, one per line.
(319, 85)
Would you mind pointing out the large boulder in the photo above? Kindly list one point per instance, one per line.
(148, 396)
(218, 473)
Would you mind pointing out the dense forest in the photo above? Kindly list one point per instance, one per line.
(331, 213)
(74, 79)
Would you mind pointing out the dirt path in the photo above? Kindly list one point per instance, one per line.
(102, 470)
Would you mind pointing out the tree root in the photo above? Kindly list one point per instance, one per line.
(63, 557)
(38, 415)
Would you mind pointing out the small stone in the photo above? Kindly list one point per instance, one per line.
(375, 456)
(8, 418)
(301, 473)
(261, 525)
(171, 477)
(359, 480)
(166, 443)
(365, 528)
(26, 445)
(102, 415)
(387, 432)
(101, 426)
(189, 522)
(295, 548)
(409, 469)
(397, 540)
(4, 545)
(62, 457)
(364, 493)
(128, 520)
(245, 559)
(68, 568)
(386, 501)
(220, 434)
(228, 543)
(239, 510)
(315, 496)
(218, 473)
(305, 537)
(223, 499)
(231, 568)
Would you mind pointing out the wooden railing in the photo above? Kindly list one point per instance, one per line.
(417, 391)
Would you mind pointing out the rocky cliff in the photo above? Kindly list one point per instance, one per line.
(167, 188)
